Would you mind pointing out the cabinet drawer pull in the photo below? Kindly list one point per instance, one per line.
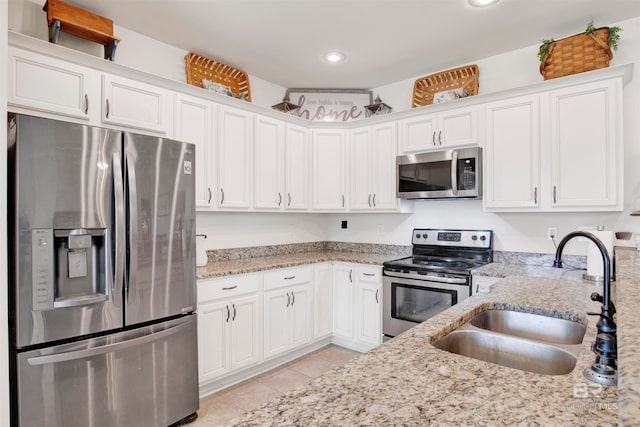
(343, 200)
(350, 276)
(554, 194)
(288, 299)
(369, 274)
(293, 298)
(279, 199)
(290, 277)
(433, 138)
(377, 301)
(374, 200)
(535, 195)
(86, 104)
(222, 193)
(440, 137)
(369, 201)
(228, 313)
(209, 189)
(234, 312)
(107, 109)
(289, 197)
(229, 288)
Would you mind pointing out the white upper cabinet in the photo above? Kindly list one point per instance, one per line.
(195, 124)
(48, 85)
(586, 146)
(136, 105)
(559, 150)
(433, 131)
(234, 158)
(512, 154)
(269, 163)
(329, 181)
(297, 168)
(372, 163)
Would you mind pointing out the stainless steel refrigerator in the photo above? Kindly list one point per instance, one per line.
(102, 276)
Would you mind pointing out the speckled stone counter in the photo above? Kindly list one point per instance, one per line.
(261, 263)
(407, 381)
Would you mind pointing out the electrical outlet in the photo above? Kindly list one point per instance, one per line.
(552, 233)
(343, 225)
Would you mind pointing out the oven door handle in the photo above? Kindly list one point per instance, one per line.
(454, 172)
(427, 277)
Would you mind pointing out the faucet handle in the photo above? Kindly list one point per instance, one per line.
(599, 298)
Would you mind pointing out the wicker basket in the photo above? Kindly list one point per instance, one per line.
(577, 54)
(463, 77)
(200, 67)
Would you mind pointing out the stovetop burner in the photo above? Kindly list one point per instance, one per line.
(446, 251)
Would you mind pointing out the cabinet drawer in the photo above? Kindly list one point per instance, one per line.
(228, 287)
(287, 277)
(370, 274)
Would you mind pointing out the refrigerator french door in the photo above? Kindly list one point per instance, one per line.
(102, 276)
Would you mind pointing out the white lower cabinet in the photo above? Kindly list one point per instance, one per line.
(357, 307)
(322, 300)
(228, 325)
(288, 315)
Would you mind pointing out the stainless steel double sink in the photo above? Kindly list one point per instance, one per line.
(529, 342)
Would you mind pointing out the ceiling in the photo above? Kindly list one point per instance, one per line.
(282, 41)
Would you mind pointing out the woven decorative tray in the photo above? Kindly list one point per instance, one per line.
(465, 78)
(577, 54)
(200, 67)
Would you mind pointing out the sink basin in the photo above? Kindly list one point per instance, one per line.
(525, 341)
(509, 351)
(533, 326)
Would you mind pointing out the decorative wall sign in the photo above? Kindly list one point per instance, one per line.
(331, 105)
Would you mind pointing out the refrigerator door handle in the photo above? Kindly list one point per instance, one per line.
(118, 190)
(132, 264)
(108, 348)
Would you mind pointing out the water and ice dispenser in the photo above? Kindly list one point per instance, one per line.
(69, 267)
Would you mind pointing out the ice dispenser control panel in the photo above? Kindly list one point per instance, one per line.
(42, 265)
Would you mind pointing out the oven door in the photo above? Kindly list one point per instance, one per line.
(408, 301)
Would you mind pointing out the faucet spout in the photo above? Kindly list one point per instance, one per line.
(605, 346)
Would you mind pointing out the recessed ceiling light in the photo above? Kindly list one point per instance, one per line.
(334, 56)
(482, 3)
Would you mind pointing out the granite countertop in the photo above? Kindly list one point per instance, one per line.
(261, 263)
(407, 381)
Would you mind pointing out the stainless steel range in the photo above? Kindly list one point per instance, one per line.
(436, 277)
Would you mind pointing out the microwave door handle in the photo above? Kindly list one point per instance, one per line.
(132, 204)
(454, 172)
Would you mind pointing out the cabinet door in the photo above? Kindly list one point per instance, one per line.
(512, 172)
(136, 105)
(269, 170)
(276, 322)
(322, 301)
(417, 133)
(213, 340)
(300, 315)
(586, 146)
(245, 350)
(343, 312)
(298, 168)
(383, 167)
(457, 127)
(368, 314)
(329, 170)
(41, 83)
(360, 162)
(194, 124)
(235, 158)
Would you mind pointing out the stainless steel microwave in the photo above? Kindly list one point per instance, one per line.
(442, 174)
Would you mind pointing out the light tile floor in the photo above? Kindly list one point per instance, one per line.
(219, 408)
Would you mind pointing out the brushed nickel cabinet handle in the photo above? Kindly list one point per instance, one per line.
(229, 288)
(289, 197)
(377, 301)
(86, 104)
(234, 312)
(554, 194)
(107, 109)
(374, 200)
(228, 313)
(209, 189)
(369, 200)
(433, 138)
(343, 200)
(290, 277)
(279, 199)
(293, 298)
(369, 274)
(222, 192)
(288, 299)
(351, 276)
(535, 195)
(440, 137)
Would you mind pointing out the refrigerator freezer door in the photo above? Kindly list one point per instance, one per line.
(64, 281)
(160, 187)
(143, 377)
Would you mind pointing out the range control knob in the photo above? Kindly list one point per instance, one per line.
(424, 236)
(474, 237)
(483, 237)
(417, 235)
